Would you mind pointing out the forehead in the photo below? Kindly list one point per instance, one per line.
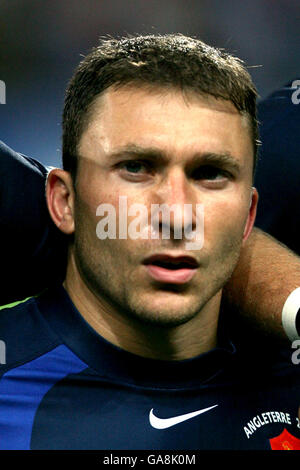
(167, 119)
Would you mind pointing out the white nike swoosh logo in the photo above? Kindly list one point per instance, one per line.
(159, 423)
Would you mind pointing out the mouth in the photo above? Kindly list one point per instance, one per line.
(171, 269)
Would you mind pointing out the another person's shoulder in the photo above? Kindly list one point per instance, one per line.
(279, 120)
(271, 362)
(24, 334)
(35, 250)
(278, 169)
(21, 164)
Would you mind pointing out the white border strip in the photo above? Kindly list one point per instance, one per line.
(289, 314)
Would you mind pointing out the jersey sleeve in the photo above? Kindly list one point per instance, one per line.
(33, 250)
(278, 170)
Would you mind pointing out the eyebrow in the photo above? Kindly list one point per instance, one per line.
(160, 157)
(225, 160)
(133, 150)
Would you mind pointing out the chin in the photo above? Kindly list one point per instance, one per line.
(165, 315)
(162, 321)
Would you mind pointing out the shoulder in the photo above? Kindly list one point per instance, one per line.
(268, 363)
(14, 166)
(278, 166)
(279, 118)
(35, 249)
(24, 334)
(23, 182)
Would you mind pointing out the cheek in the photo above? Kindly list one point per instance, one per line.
(225, 221)
(88, 217)
(92, 193)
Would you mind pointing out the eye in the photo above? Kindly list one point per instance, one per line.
(134, 166)
(135, 170)
(210, 173)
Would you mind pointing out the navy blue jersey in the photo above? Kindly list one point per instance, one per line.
(278, 170)
(33, 250)
(65, 387)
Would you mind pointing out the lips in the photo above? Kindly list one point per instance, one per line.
(172, 262)
(171, 269)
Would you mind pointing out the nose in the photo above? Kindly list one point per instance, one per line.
(174, 188)
(176, 194)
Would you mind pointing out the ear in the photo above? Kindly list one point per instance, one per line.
(60, 199)
(251, 215)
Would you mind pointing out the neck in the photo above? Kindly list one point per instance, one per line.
(180, 342)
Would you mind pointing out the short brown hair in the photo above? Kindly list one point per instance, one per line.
(171, 60)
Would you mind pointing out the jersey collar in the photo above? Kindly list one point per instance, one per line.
(114, 363)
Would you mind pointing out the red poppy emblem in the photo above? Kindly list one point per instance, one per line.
(285, 441)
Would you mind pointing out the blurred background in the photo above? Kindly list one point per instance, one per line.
(41, 41)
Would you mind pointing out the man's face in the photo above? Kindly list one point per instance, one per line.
(162, 148)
